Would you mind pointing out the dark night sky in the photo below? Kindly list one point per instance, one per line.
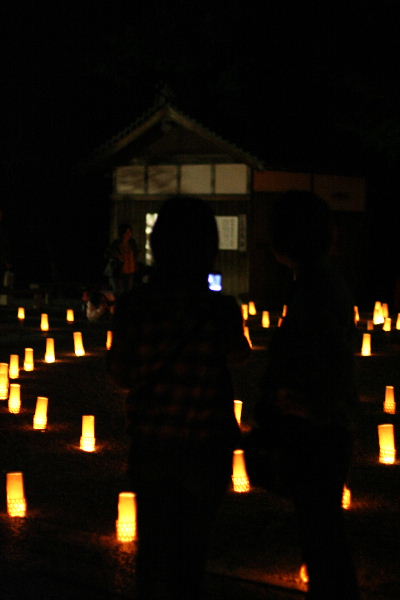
(315, 86)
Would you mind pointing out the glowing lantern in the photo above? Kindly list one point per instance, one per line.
(237, 407)
(389, 406)
(16, 503)
(346, 498)
(245, 312)
(378, 317)
(70, 315)
(246, 332)
(303, 574)
(370, 325)
(88, 441)
(28, 360)
(280, 321)
(356, 315)
(284, 310)
(387, 450)
(78, 344)
(126, 523)
(240, 479)
(366, 345)
(252, 308)
(265, 322)
(44, 322)
(4, 381)
(13, 370)
(385, 310)
(109, 340)
(387, 325)
(14, 399)
(398, 321)
(50, 357)
(21, 313)
(40, 417)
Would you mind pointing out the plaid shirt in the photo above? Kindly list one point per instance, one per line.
(171, 350)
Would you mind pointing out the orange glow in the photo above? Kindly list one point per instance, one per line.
(246, 332)
(284, 310)
(385, 310)
(44, 322)
(245, 312)
(240, 479)
(252, 308)
(126, 522)
(78, 344)
(387, 325)
(398, 321)
(4, 381)
(13, 370)
(303, 574)
(280, 321)
(21, 313)
(389, 406)
(28, 360)
(378, 317)
(70, 315)
(14, 399)
(16, 502)
(237, 407)
(88, 441)
(346, 498)
(109, 340)
(265, 322)
(50, 356)
(356, 315)
(370, 325)
(366, 345)
(387, 450)
(40, 417)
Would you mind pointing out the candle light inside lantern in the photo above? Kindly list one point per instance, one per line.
(346, 498)
(387, 325)
(13, 370)
(4, 381)
(237, 407)
(78, 344)
(366, 345)
(265, 322)
(280, 321)
(378, 317)
(387, 450)
(50, 356)
(252, 308)
(14, 399)
(126, 523)
(88, 441)
(398, 321)
(109, 340)
(284, 310)
(356, 315)
(389, 406)
(240, 479)
(70, 315)
(245, 312)
(40, 417)
(21, 313)
(303, 574)
(16, 502)
(28, 359)
(246, 332)
(44, 322)
(370, 325)
(385, 310)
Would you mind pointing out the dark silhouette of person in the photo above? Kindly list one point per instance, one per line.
(311, 396)
(122, 260)
(174, 344)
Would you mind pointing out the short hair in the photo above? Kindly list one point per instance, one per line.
(185, 236)
(122, 228)
(301, 226)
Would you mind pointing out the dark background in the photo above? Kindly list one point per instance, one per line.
(313, 87)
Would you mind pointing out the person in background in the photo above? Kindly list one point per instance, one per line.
(97, 304)
(174, 344)
(122, 260)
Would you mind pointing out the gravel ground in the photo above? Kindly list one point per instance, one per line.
(66, 546)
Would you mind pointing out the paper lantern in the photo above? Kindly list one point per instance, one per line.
(109, 340)
(387, 450)
(284, 310)
(4, 381)
(237, 407)
(252, 308)
(88, 441)
(378, 317)
(28, 360)
(240, 479)
(370, 325)
(126, 522)
(14, 399)
(265, 321)
(398, 321)
(21, 313)
(16, 502)
(366, 345)
(78, 344)
(245, 312)
(50, 356)
(280, 321)
(389, 406)
(246, 332)
(44, 322)
(70, 315)
(346, 498)
(387, 324)
(303, 574)
(13, 369)
(385, 310)
(40, 417)
(356, 315)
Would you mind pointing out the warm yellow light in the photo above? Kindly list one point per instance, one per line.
(389, 406)
(14, 399)
(303, 574)
(70, 315)
(109, 340)
(378, 317)
(4, 381)
(50, 356)
(252, 308)
(88, 441)
(245, 312)
(40, 417)
(366, 345)
(356, 315)
(265, 321)
(385, 310)
(240, 479)
(44, 322)
(246, 332)
(78, 344)
(126, 522)
(346, 498)
(13, 369)
(398, 321)
(387, 450)
(237, 407)
(16, 503)
(370, 325)
(28, 360)
(284, 310)
(387, 325)
(21, 313)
